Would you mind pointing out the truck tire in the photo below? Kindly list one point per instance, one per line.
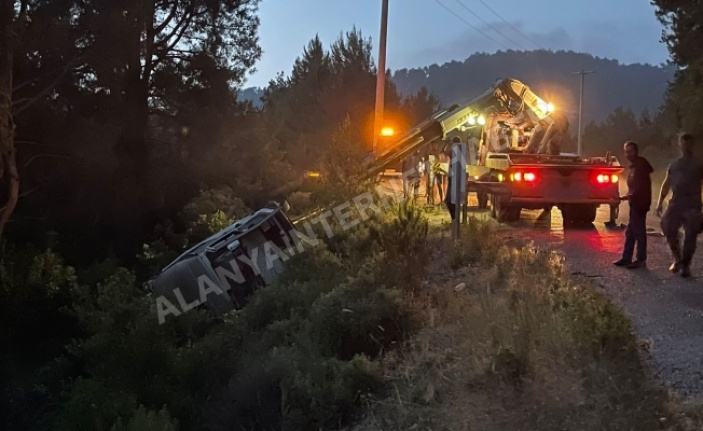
(504, 213)
(579, 214)
(482, 200)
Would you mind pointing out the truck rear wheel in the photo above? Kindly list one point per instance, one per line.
(579, 214)
(482, 200)
(504, 213)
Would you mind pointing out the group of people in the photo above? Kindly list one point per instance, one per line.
(419, 166)
(428, 166)
(684, 178)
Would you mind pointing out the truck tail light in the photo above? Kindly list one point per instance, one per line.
(528, 177)
(606, 179)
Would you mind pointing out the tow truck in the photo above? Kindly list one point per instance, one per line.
(519, 163)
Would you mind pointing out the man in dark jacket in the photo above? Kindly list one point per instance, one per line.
(639, 196)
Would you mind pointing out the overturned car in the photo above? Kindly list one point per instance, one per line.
(221, 271)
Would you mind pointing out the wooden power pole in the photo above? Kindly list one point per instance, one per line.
(381, 76)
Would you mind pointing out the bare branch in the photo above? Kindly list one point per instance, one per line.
(179, 28)
(48, 89)
(168, 19)
(23, 11)
(35, 143)
(44, 156)
(30, 191)
(43, 75)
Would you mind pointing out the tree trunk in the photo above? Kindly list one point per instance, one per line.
(8, 168)
(13, 188)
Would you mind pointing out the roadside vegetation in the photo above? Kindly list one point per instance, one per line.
(389, 325)
(509, 341)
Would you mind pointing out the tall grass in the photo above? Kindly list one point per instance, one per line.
(511, 342)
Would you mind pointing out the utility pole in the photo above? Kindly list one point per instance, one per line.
(381, 76)
(583, 73)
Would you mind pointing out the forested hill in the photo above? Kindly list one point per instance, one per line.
(549, 73)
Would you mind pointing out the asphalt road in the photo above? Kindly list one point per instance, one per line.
(666, 310)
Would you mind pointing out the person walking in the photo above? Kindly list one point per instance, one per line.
(639, 196)
(683, 178)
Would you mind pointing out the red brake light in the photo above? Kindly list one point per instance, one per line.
(523, 176)
(606, 179)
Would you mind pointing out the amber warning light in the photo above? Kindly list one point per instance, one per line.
(387, 131)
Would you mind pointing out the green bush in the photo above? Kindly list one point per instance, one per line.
(476, 244)
(598, 327)
(357, 317)
(125, 350)
(291, 387)
(305, 278)
(321, 392)
(91, 405)
(512, 367)
(300, 203)
(402, 244)
(34, 287)
(145, 420)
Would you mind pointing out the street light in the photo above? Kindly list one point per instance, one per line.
(583, 73)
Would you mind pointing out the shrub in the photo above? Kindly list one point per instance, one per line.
(300, 203)
(91, 405)
(145, 420)
(306, 277)
(357, 317)
(128, 354)
(402, 243)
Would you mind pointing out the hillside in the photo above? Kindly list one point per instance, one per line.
(549, 73)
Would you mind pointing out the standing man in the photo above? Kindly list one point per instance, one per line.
(639, 196)
(430, 174)
(473, 148)
(411, 176)
(439, 172)
(683, 179)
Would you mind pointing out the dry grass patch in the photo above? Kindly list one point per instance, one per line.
(510, 342)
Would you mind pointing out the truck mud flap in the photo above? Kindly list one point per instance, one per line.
(491, 187)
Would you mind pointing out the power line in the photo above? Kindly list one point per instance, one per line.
(471, 25)
(489, 25)
(511, 26)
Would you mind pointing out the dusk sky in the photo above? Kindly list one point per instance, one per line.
(423, 32)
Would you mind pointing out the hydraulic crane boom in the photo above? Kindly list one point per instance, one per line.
(507, 98)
